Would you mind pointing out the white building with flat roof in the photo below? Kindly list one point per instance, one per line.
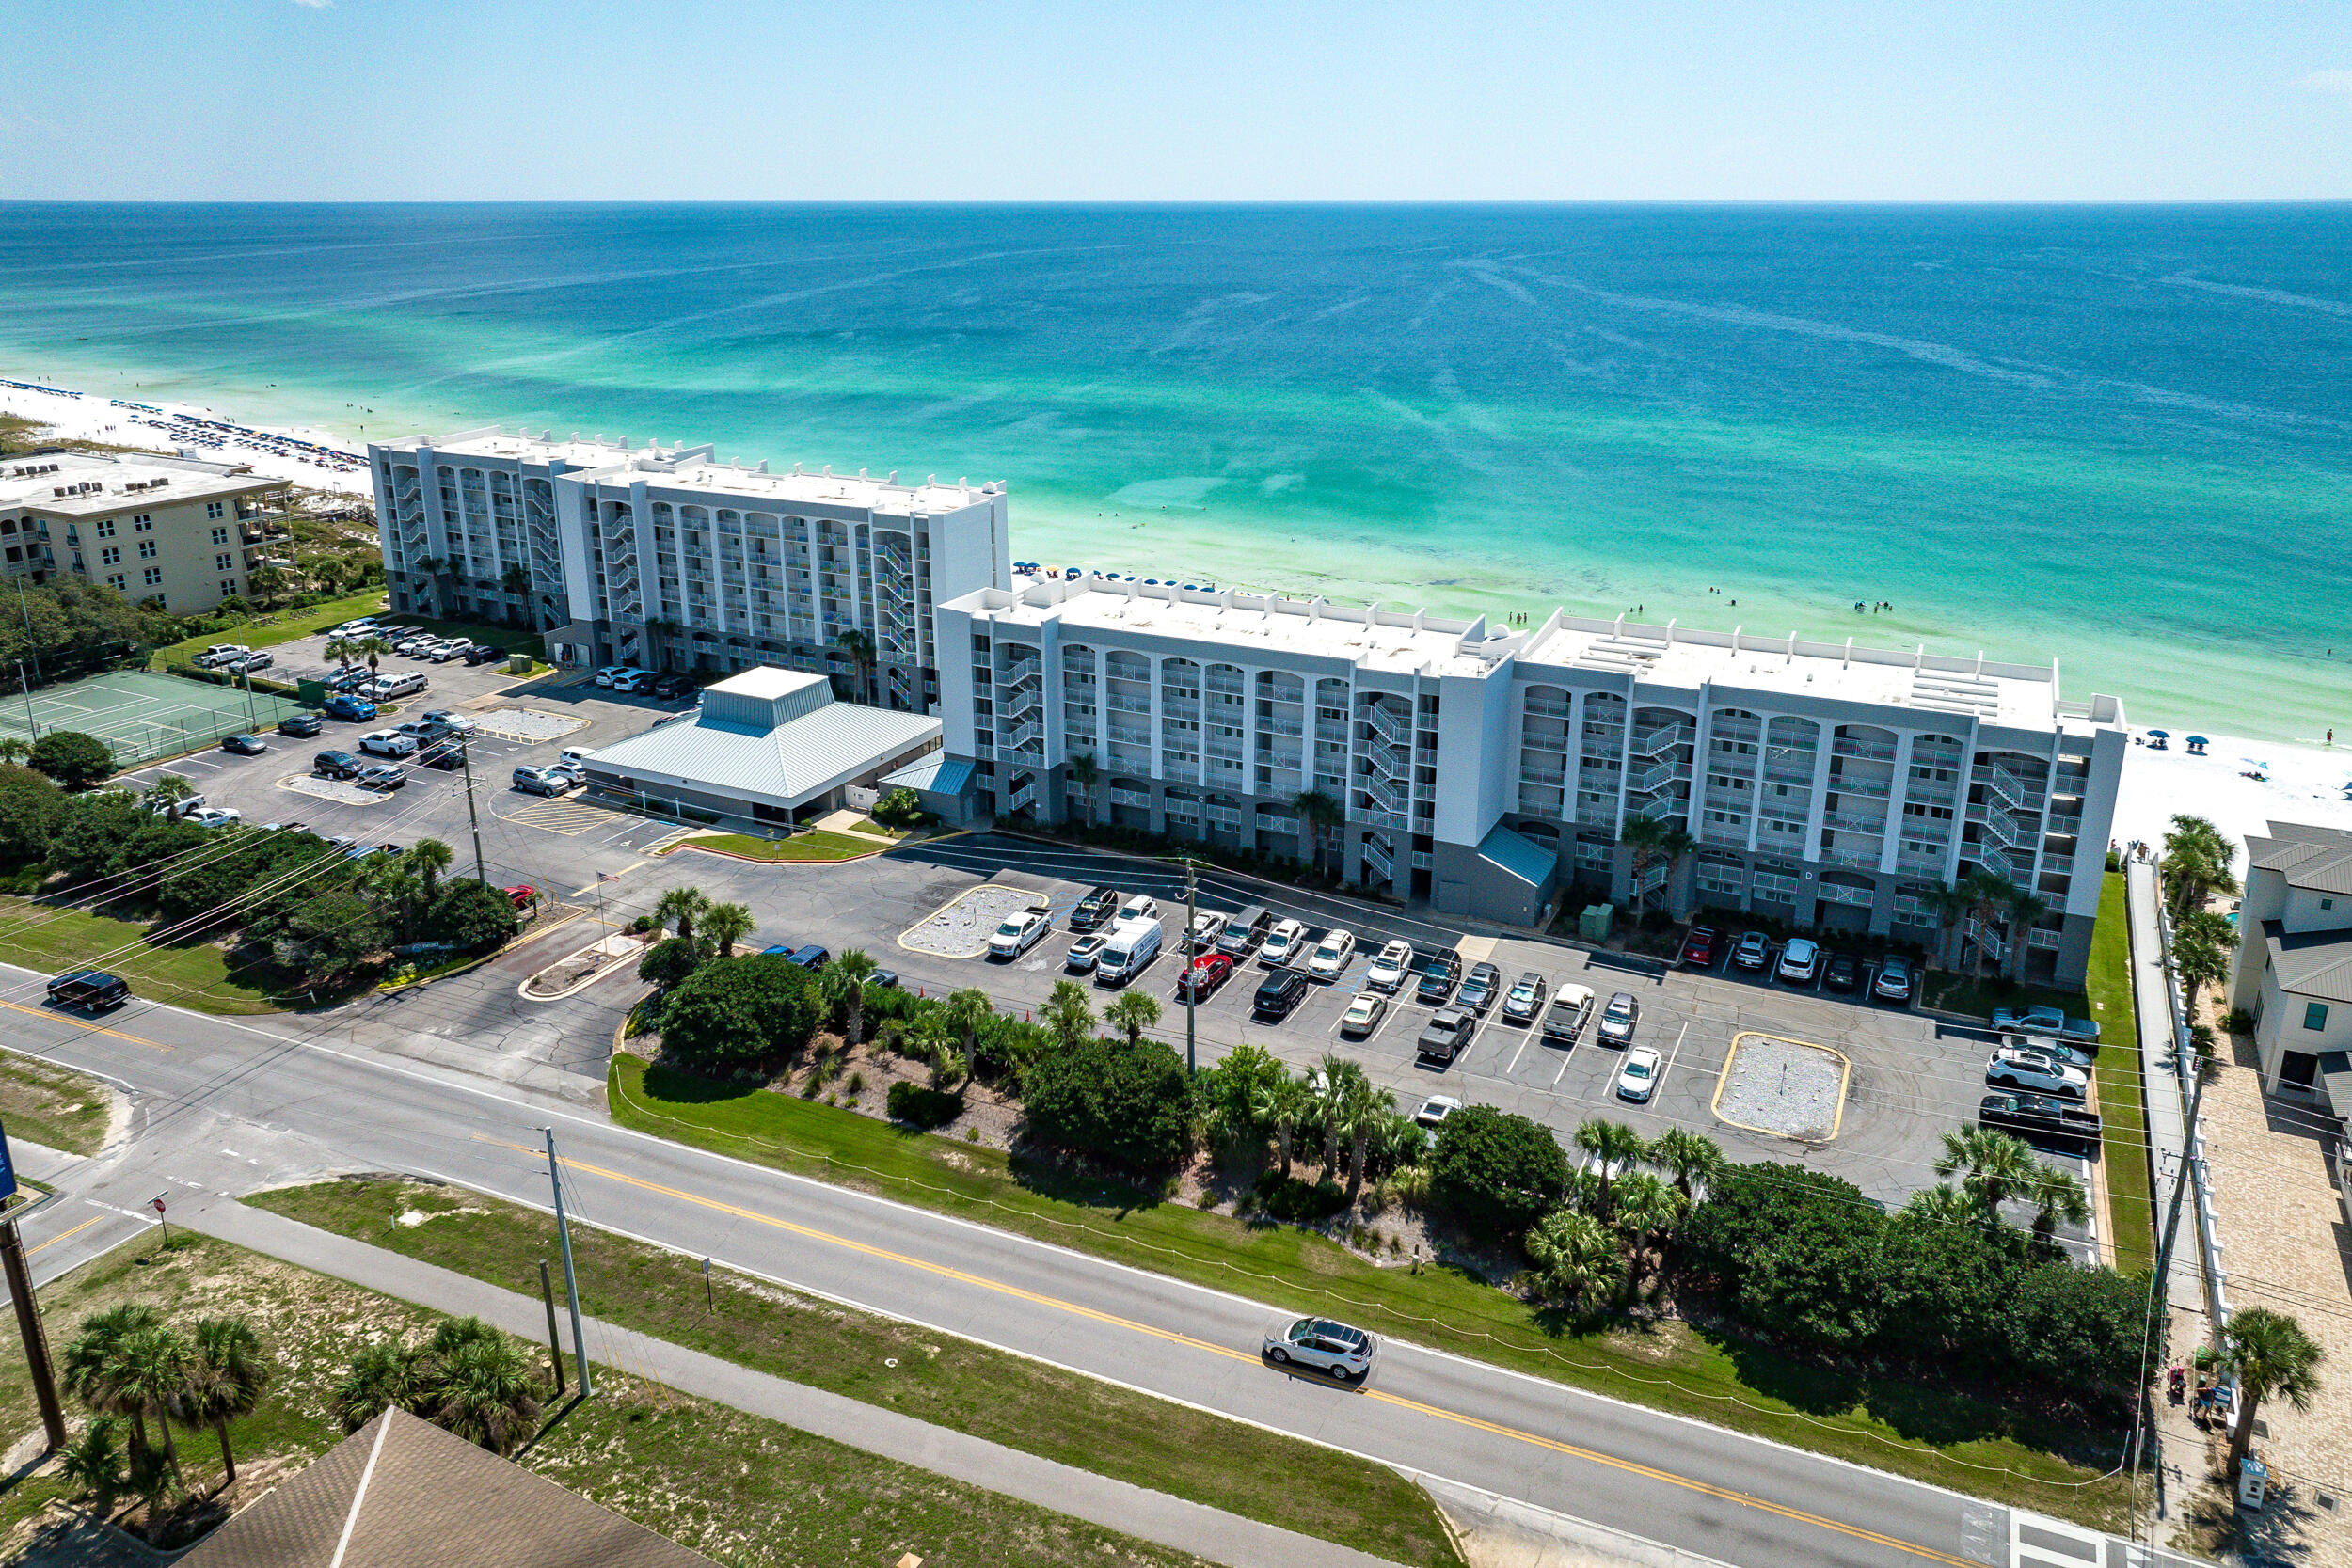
(659, 555)
(178, 532)
(1482, 769)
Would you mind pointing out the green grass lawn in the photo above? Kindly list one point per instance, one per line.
(738, 1488)
(2122, 1096)
(1006, 1399)
(513, 639)
(1965, 993)
(282, 629)
(187, 974)
(800, 847)
(1946, 1437)
(53, 1106)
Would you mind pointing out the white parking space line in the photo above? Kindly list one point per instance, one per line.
(1566, 1057)
(1659, 1087)
(1517, 1055)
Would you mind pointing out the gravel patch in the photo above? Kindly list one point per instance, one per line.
(962, 929)
(1784, 1087)
(333, 789)
(526, 724)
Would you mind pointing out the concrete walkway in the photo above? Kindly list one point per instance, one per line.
(1154, 1517)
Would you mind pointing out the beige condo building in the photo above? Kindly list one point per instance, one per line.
(177, 531)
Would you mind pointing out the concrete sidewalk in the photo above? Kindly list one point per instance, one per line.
(1154, 1517)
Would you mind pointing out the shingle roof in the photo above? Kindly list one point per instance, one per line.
(2316, 859)
(2317, 964)
(411, 1496)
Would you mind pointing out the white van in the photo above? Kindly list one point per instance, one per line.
(1133, 945)
(384, 687)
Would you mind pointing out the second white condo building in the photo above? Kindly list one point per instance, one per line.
(667, 557)
(1485, 770)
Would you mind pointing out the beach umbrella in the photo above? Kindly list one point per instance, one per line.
(2161, 735)
(2199, 740)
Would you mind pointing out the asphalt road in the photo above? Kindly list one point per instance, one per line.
(227, 1106)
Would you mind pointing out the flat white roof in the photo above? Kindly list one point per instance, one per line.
(33, 481)
(768, 681)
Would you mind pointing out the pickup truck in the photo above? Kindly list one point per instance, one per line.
(1564, 1021)
(2048, 1022)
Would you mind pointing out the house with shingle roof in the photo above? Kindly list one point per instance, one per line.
(2293, 967)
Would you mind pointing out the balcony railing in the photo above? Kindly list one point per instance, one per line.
(1859, 746)
(1859, 858)
(1855, 822)
(1532, 804)
(1373, 818)
(1547, 707)
(1550, 777)
(1377, 863)
(1392, 726)
(1838, 893)
(1859, 783)
(1138, 798)
(1651, 742)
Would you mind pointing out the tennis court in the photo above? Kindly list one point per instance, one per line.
(142, 716)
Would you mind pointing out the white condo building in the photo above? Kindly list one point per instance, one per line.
(1826, 786)
(654, 554)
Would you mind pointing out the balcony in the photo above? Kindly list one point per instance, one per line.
(1768, 884)
(1926, 865)
(1552, 777)
(1275, 725)
(1130, 735)
(1856, 746)
(2064, 827)
(1371, 818)
(1141, 800)
(1180, 772)
(1532, 804)
(1118, 704)
(1860, 784)
(1268, 822)
(1863, 860)
(1732, 835)
(1838, 893)
(1545, 708)
(1595, 816)
(1854, 822)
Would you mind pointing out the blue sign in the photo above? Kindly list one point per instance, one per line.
(8, 1168)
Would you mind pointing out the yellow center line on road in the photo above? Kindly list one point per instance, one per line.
(63, 1235)
(88, 1028)
(1171, 1336)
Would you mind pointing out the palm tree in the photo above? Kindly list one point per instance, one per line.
(965, 1009)
(858, 647)
(1323, 814)
(94, 1462)
(231, 1375)
(155, 1366)
(2201, 944)
(2197, 860)
(1287, 1103)
(1577, 1256)
(2273, 1358)
(484, 1387)
(1645, 1207)
(724, 925)
(1084, 768)
(93, 1366)
(849, 974)
(682, 906)
(433, 566)
(1987, 896)
(431, 858)
(2023, 908)
(1950, 905)
(341, 649)
(1335, 1082)
(1646, 837)
(1998, 1166)
(1068, 1013)
(1693, 1159)
(380, 1376)
(518, 582)
(2056, 1194)
(1943, 1204)
(168, 792)
(397, 890)
(932, 1033)
(1363, 1111)
(1611, 1144)
(1134, 1011)
(369, 647)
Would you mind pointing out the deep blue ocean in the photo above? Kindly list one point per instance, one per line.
(2119, 438)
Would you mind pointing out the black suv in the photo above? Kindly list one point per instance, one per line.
(1437, 978)
(1279, 991)
(1478, 991)
(1844, 972)
(482, 653)
(1094, 909)
(301, 725)
(336, 765)
(670, 687)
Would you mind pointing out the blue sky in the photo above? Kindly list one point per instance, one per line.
(1207, 100)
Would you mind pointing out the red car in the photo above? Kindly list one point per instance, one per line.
(522, 894)
(1699, 946)
(1208, 972)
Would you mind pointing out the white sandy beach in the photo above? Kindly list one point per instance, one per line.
(93, 416)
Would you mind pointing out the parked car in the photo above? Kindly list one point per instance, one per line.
(388, 743)
(1753, 951)
(213, 816)
(349, 680)
(1843, 974)
(1202, 933)
(424, 732)
(218, 655)
(1800, 962)
(245, 664)
(1205, 975)
(636, 680)
(482, 653)
(1895, 981)
(1321, 1345)
(2015, 1067)
(1525, 998)
(1141, 906)
(1446, 1034)
(520, 895)
(2067, 1055)
(450, 720)
(670, 687)
(1094, 909)
(1244, 930)
(1564, 1021)
(1133, 945)
(1282, 943)
(457, 647)
(1363, 1014)
(1389, 966)
(610, 673)
(1437, 978)
(336, 765)
(811, 956)
(2039, 1115)
(1620, 1018)
(356, 710)
(244, 745)
(543, 781)
(1698, 948)
(382, 775)
(2048, 1022)
(162, 807)
(1637, 1077)
(1478, 989)
(1332, 954)
(1435, 1109)
(1018, 933)
(1279, 992)
(1083, 952)
(301, 725)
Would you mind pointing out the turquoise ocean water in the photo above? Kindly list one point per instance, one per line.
(2119, 438)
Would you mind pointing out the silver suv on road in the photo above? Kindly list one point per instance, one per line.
(1321, 1345)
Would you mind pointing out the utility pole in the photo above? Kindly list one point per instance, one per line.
(1192, 984)
(26, 687)
(465, 760)
(20, 1276)
(2160, 1287)
(28, 610)
(571, 1279)
(555, 1336)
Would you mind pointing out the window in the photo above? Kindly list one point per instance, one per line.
(147, 550)
(224, 564)
(105, 528)
(2326, 903)
(2314, 1015)
(220, 536)
(117, 583)
(154, 575)
(228, 588)
(212, 509)
(110, 556)
(143, 523)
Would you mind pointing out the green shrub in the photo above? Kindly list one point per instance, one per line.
(30, 806)
(1293, 1197)
(913, 1103)
(73, 759)
(1498, 1172)
(746, 1009)
(470, 914)
(1131, 1104)
(668, 962)
(900, 808)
